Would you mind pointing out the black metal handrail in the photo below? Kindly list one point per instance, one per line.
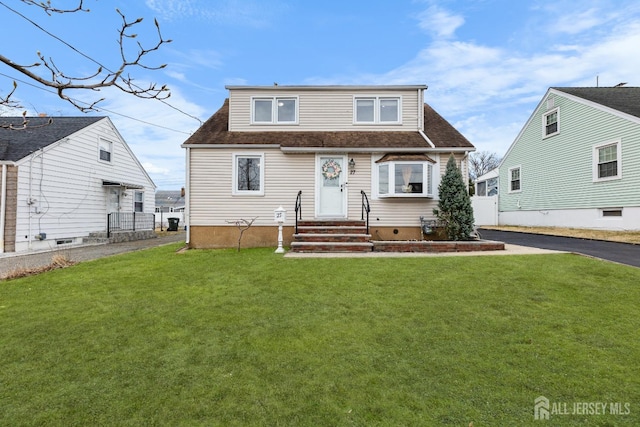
(365, 208)
(130, 221)
(298, 209)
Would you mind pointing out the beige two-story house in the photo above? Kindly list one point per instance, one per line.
(322, 153)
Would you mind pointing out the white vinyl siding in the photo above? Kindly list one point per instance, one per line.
(67, 189)
(328, 110)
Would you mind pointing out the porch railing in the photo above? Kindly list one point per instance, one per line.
(129, 221)
(298, 209)
(365, 208)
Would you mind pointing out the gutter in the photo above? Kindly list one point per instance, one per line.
(3, 203)
(426, 138)
(187, 196)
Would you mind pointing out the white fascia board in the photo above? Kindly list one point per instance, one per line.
(373, 150)
(236, 146)
(328, 87)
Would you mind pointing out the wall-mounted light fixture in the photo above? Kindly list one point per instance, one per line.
(352, 166)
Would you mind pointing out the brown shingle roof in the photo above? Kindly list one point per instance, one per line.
(440, 132)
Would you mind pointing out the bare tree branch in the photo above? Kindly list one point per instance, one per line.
(103, 77)
(482, 162)
(46, 6)
(243, 225)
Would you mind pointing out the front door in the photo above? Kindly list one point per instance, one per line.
(331, 175)
(113, 206)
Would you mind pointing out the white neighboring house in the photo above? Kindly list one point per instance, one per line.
(485, 200)
(62, 177)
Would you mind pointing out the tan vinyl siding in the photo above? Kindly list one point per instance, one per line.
(212, 202)
(323, 110)
(557, 171)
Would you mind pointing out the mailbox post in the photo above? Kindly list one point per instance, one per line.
(280, 216)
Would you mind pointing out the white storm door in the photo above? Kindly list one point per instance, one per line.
(331, 175)
(113, 206)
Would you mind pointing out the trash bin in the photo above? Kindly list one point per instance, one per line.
(173, 224)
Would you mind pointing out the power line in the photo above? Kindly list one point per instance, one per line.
(98, 109)
(91, 59)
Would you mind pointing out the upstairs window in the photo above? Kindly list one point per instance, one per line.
(550, 123)
(248, 174)
(514, 180)
(105, 148)
(606, 161)
(376, 110)
(405, 176)
(275, 110)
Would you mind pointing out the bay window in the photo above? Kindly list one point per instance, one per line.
(405, 178)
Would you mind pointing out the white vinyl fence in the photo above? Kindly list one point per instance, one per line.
(485, 210)
(162, 219)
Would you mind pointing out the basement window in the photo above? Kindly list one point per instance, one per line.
(611, 213)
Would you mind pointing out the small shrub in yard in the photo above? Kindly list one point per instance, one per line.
(454, 208)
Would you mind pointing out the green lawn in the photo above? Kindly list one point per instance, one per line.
(251, 338)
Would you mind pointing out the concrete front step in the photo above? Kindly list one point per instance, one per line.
(331, 247)
(331, 223)
(331, 229)
(332, 237)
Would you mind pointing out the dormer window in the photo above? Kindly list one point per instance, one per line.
(274, 110)
(376, 110)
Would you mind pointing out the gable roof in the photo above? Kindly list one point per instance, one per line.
(18, 143)
(624, 99)
(216, 131)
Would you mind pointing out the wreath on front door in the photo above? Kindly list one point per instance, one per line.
(331, 169)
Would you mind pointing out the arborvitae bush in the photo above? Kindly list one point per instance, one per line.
(454, 208)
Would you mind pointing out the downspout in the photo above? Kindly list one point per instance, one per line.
(187, 205)
(3, 203)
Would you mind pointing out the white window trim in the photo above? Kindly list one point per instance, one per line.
(509, 179)
(428, 169)
(376, 109)
(544, 123)
(234, 190)
(602, 215)
(274, 110)
(135, 195)
(110, 145)
(596, 157)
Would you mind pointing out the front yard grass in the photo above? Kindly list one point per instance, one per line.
(216, 337)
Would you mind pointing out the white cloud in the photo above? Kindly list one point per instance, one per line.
(439, 22)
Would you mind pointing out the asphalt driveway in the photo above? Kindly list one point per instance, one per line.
(623, 253)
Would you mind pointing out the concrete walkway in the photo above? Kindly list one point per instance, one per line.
(11, 261)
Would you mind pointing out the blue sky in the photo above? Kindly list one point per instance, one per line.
(487, 62)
